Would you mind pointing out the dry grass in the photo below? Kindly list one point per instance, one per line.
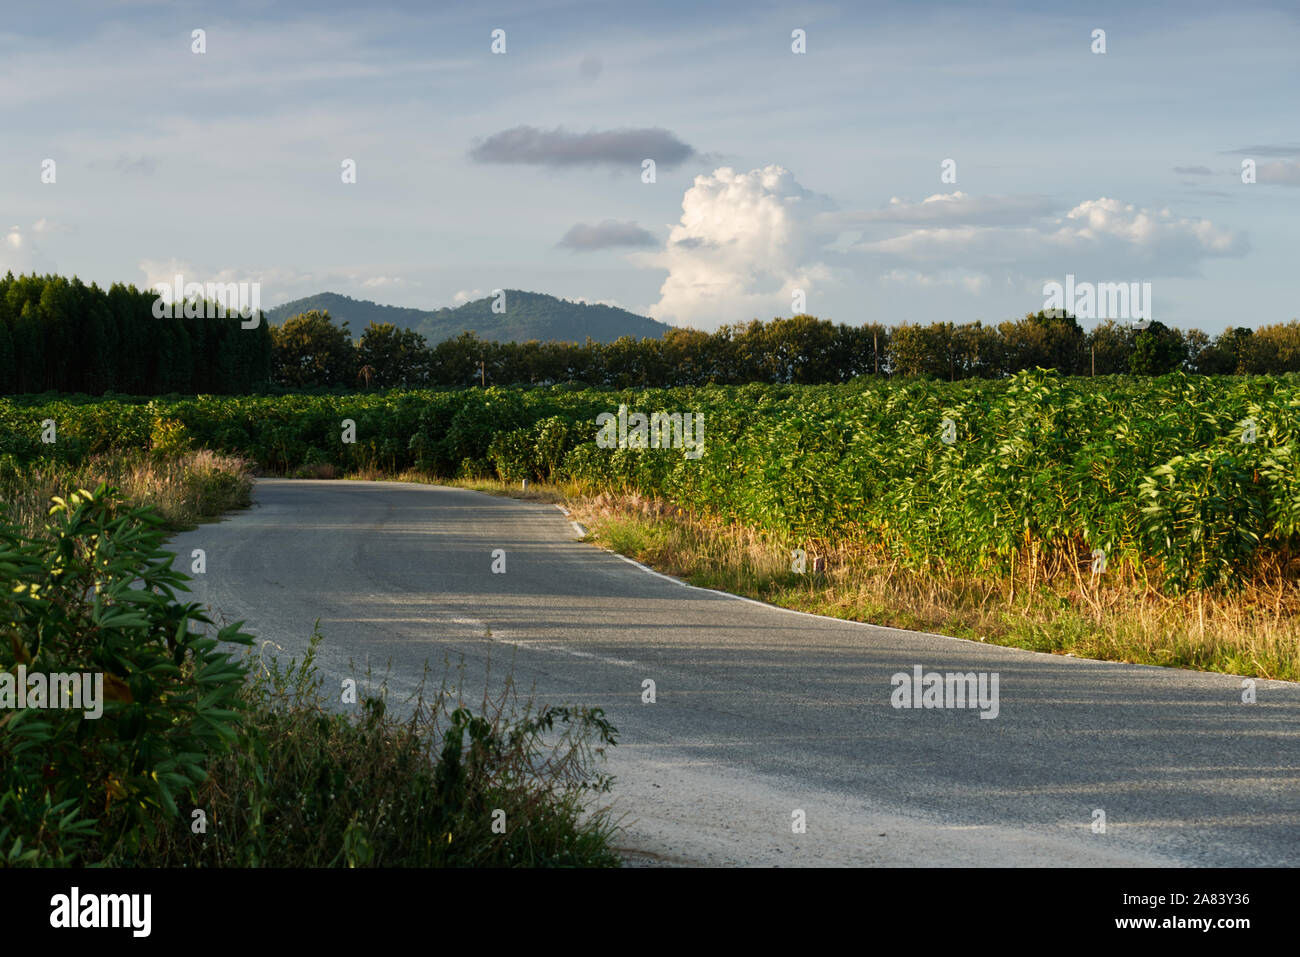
(1052, 605)
(558, 493)
(318, 471)
(308, 786)
(185, 488)
(1254, 632)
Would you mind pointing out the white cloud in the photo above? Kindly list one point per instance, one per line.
(466, 295)
(745, 242)
(164, 270)
(1096, 235)
(279, 284)
(20, 254)
(1150, 230)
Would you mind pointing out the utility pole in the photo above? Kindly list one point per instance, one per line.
(1094, 359)
(482, 374)
(875, 348)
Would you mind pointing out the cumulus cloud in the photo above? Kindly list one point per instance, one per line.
(1098, 234)
(467, 295)
(745, 242)
(606, 235)
(558, 148)
(1151, 233)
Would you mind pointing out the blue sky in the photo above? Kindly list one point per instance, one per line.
(775, 171)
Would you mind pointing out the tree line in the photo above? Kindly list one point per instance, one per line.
(310, 350)
(61, 335)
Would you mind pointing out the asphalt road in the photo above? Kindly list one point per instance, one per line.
(761, 713)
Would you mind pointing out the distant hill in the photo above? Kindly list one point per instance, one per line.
(528, 315)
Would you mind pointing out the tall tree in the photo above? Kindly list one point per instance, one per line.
(1110, 345)
(29, 349)
(310, 350)
(8, 372)
(1273, 349)
(1157, 350)
(393, 356)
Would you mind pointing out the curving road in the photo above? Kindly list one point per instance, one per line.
(760, 712)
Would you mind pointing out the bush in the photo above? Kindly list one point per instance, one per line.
(535, 452)
(512, 455)
(94, 593)
(310, 787)
(482, 415)
(168, 438)
(280, 779)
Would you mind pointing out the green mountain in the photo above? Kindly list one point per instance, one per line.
(528, 315)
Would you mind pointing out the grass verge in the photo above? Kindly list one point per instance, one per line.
(1254, 632)
(183, 488)
(499, 785)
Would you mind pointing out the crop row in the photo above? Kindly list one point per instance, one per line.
(1197, 478)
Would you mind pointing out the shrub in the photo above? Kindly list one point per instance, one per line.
(281, 779)
(168, 438)
(512, 455)
(94, 593)
(310, 787)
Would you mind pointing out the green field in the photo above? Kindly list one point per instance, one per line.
(1185, 482)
